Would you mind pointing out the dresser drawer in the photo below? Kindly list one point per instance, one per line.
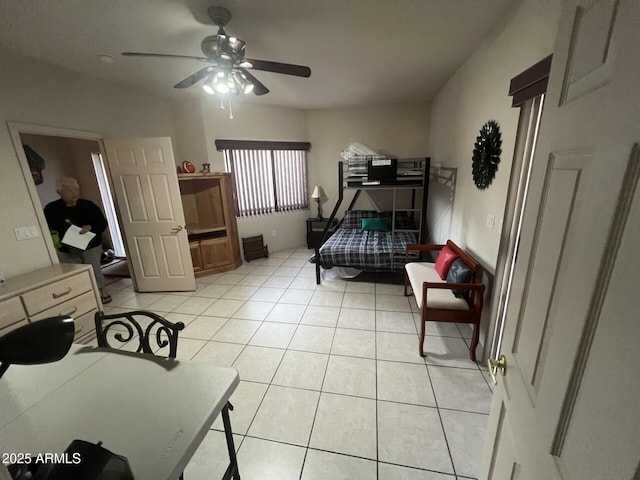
(85, 327)
(11, 312)
(75, 308)
(44, 298)
(13, 326)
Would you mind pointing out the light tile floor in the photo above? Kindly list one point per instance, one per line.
(332, 386)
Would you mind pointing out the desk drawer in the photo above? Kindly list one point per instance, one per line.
(85, 327)
(11, 312)
(44, 298)
(75, 308)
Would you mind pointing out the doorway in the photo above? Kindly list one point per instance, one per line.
(50, 157)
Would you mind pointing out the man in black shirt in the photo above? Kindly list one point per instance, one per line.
(72, 210)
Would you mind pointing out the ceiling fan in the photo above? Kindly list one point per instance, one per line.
(227, 70)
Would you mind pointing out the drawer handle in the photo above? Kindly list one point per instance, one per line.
(75, 309)
(78, 330)
(58, 295)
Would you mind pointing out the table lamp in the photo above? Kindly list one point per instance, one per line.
(318, 194)
(43, 341)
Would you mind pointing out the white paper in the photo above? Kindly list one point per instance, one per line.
(381, 163)
(73, 237)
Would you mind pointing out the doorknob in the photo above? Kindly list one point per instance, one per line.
(500, 365)
(176, 229)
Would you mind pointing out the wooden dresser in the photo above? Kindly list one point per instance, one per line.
(62, 289)
(207, 201)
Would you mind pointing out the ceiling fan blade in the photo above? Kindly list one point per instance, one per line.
(165, 55)
(277, 67)
(194, 78)
(258, 86)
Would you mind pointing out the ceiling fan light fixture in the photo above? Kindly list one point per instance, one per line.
(243, 83)
(222, 87)
(227, 73)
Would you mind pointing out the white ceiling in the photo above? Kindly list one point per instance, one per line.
(361, 52)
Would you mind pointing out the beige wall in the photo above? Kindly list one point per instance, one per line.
(401, 129)
(35, 93)
(252, 122)
(190, 141)
(476, 93)
(58, 163)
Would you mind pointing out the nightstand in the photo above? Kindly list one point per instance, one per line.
(315, 227)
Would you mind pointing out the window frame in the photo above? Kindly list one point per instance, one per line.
(228, 147)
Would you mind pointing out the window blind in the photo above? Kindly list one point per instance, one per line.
(267, 180)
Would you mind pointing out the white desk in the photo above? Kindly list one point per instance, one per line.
(154, 411)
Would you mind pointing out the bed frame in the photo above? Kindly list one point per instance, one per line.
(360, 184)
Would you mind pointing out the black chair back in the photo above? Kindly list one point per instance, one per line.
(152, 332)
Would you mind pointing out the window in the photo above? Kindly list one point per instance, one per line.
(268, 176)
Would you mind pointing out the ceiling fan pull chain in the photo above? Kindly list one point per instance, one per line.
(221, 104)
(230, 110)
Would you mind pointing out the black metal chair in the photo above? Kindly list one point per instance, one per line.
(125, 328)
(141, 326)
(146, 326)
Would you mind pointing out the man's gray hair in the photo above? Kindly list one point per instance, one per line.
(68, 182)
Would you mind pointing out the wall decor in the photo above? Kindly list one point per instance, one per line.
(36, 164)
(486, 154)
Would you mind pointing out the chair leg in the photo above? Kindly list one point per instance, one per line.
(474, 342)
(232, 470)
(423, 328)
(406, 282)
(181, 476)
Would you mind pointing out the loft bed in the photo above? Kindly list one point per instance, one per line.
(375, 248)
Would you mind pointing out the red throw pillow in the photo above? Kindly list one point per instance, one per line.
(444, 261)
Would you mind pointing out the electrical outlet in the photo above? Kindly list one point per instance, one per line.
(491, 220)
(273, 233)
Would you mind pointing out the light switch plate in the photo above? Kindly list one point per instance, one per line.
(491, 220)
(24, 233)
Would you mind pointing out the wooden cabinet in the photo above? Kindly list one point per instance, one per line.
(207, 201)
(63, 289)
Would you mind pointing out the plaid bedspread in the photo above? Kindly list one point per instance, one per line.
(366, 250)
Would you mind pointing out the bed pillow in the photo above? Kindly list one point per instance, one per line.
(353, 218)
(459, 272)
(444, 261)
(378, 224)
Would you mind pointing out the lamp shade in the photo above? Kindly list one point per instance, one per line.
(318, 192)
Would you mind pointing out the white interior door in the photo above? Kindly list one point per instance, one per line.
(145, 182)
(567, 407)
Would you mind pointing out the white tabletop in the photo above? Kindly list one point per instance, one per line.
(153, 411)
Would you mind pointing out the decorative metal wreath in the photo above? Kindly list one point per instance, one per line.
(486, 154)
